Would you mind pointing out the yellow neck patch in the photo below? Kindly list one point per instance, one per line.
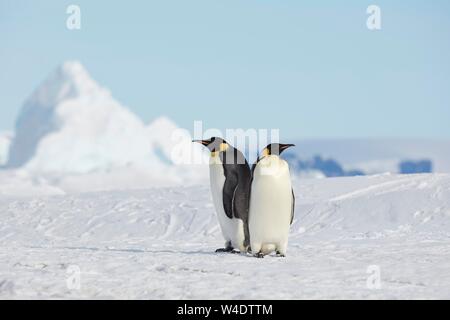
(222, 148)
(265, 152)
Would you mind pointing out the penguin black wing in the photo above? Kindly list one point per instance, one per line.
(228, 193)
(237, 184)
(241, 198)
(254, 167)
(293, 206)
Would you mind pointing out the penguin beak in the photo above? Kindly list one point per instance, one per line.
(285, 146)
(203, 142)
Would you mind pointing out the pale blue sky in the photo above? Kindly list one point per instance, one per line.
(310, 68)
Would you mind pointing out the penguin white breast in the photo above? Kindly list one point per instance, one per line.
(270, 201)
(217, 181)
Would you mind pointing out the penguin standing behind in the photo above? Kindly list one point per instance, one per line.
(272, 202)
(230, 179)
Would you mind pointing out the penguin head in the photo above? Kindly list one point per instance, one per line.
(275, 149)
(214, 144)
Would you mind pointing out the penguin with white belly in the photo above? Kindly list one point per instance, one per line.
(230, 179)
(272, 202)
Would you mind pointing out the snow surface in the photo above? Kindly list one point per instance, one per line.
(159, 243)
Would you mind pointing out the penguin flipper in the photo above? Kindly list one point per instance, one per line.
(228, 194)
(293, 206)
(241, 201)
(236, 190)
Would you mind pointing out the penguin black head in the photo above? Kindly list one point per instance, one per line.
(275, 149)
(214, 144)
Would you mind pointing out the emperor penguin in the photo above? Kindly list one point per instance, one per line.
(272, 202)
(230, 178)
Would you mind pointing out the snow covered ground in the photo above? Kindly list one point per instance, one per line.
(159, 243)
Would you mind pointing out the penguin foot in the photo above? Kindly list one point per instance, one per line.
(279, 254)
(259, 255)
(222, 250)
